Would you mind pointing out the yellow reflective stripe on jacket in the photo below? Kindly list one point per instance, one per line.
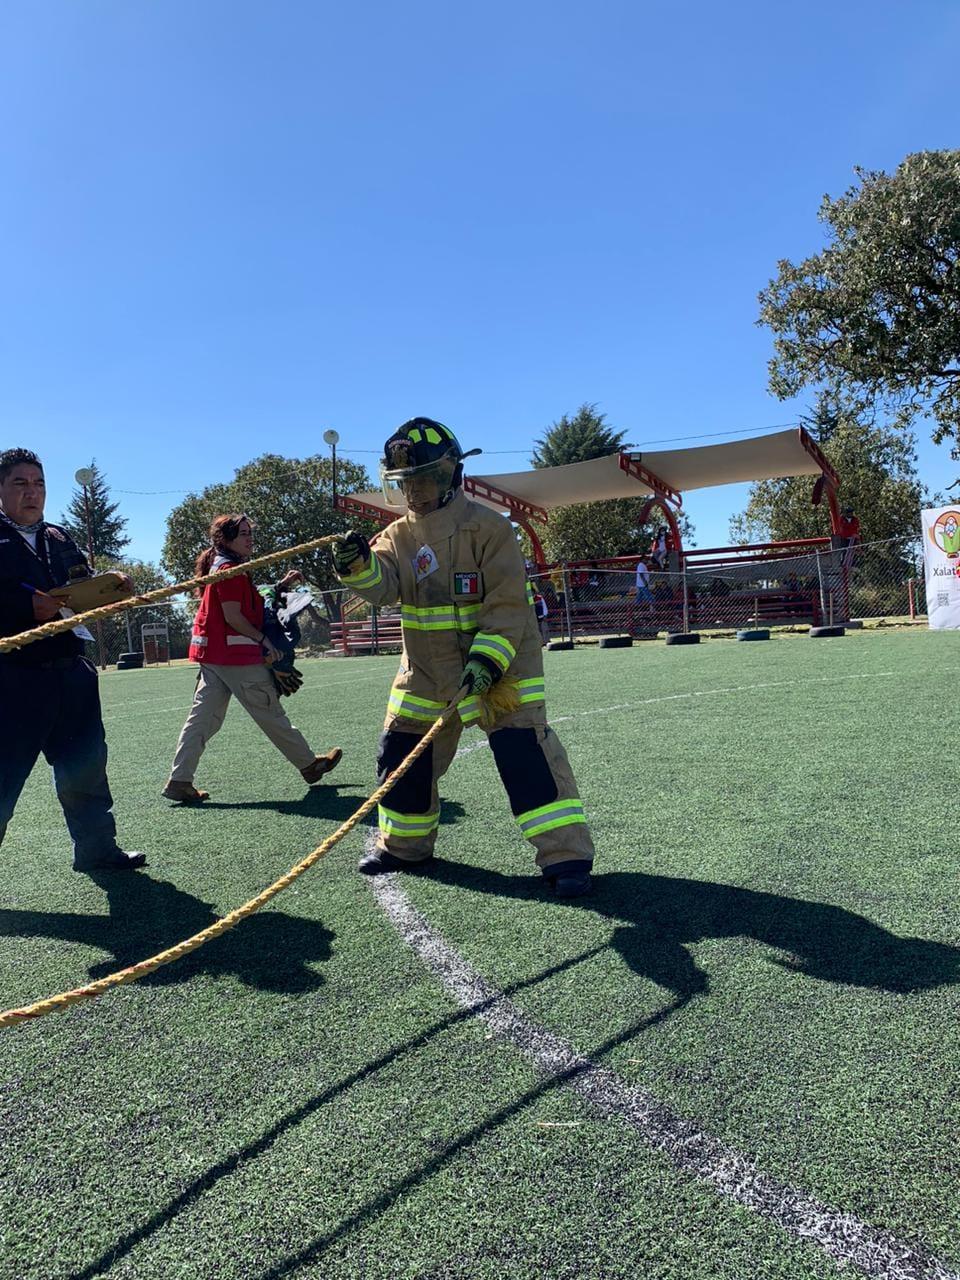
(413, 707)
(532, 690)
(498, 648)
(468, 616)
(372, 576)
(445, 617)
(469, 710)
(562, 813)
(529, 594)
(529, 691)
(409, 825)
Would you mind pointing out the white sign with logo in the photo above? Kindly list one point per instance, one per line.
(941, 559)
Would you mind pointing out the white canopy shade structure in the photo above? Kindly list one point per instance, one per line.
(662, 474)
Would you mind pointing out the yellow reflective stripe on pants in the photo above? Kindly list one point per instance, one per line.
(411, 825)
(413, 707)
(562, 813)
(497, 648)
(366, 578)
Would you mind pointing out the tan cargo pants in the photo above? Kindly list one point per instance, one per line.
(253, 688)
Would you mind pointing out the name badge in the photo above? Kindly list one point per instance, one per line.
(425, 562)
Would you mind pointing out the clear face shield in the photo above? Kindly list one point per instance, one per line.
(418, 486)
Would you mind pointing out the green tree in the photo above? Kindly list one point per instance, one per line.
(106, 527)
(577, 439)
(592, 530)
(289, 501)
(876, 314)
(877, 467)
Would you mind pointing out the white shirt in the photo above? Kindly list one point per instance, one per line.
(643, 574)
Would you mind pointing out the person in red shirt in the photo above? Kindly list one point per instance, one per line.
(849, 525)
(229, 644)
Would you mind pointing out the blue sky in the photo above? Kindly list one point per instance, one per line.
(225, 227)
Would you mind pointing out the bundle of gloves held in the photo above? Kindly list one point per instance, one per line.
(283, 631)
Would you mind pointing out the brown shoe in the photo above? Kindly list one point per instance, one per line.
(321, 765)
(184, 793)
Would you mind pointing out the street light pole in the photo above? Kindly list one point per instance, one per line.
(331, 437)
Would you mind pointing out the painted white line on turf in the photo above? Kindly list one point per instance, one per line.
(844, 1238)
(695, 693)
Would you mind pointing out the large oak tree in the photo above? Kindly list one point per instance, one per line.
(876, 313)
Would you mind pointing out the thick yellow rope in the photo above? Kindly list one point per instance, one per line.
(58, 625)
(135, 971)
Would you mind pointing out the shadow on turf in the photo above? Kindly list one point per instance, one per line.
(270, 951)
(813, 938)
(320, 802)
(240, 1158)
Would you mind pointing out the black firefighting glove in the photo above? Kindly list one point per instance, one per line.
(287, 681)
(346, 551)
(479, 674)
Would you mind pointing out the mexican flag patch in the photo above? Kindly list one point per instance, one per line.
(466, 584)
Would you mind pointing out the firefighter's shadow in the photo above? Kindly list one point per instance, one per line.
(271, 951)
(659, 917)
(322, 802)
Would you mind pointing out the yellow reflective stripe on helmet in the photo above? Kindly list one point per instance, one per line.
(562, 813)
(365, 578)
(433, 437)
(409, 825)
(498, 648)
(406, 704)
(414, 435)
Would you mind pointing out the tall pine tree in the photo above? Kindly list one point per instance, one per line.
(106, 527)
(577, 439)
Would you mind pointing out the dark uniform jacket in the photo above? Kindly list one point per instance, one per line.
(56, 561)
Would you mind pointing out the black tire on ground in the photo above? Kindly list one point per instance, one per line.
(616, 642)
(822, 633)
(854, 624)
(136, 656)
(554, 645)
(761, 633)
(683, 637)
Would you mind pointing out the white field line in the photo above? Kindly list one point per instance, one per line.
(695, 693)
(845, 1239)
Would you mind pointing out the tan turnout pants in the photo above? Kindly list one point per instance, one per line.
(253, 688)
(533, 767)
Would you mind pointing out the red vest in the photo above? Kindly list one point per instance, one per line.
(213, 640)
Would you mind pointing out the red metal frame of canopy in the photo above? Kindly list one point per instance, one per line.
(661, 476)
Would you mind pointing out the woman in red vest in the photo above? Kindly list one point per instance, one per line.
(229, 644)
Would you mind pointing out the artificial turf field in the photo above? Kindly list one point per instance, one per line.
(759, 1003)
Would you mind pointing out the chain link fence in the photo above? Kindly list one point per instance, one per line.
(831, 583)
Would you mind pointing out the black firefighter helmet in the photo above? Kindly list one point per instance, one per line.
(422, 451)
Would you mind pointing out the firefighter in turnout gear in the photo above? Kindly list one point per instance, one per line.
(457, 571)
